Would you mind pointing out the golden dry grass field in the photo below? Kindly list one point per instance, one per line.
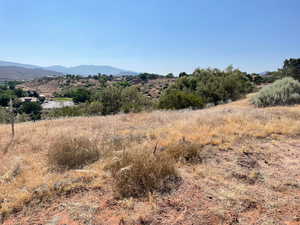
(248, 170)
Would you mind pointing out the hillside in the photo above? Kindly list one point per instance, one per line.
(21, 73)
(49, 86)
(237, 165)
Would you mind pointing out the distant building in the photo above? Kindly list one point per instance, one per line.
(29, 99)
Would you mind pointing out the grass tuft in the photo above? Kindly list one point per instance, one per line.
(72, 153)
(185, 152)
(138, 172)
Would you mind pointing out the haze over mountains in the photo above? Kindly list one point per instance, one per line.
(18, 71)
(90, 69)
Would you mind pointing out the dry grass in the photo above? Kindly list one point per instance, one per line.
(229, 127)
(72, 152)
(138, 172)
(185, 152)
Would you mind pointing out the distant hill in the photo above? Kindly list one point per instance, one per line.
(21, 73)
(91, 70)
(12, 70)
(264, 73)
(5, 63)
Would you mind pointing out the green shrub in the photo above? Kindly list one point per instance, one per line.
(282, 92)
(111, 98)
(93, 108)
(4, 99)
(134, 101)
(33, 109)
(78, 95)
(22, 118)
(4, 115)
(68, 111)
(175, 99)
(137, 173)
(118, 99)
(72, 153)
(81, 95)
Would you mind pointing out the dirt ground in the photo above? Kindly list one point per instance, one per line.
(249, 174)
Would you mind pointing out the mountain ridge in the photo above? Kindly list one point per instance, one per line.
(27, 66)
(91, 69)
(83, 70)
(21, 73)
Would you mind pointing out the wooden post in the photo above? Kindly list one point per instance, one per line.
(12, 118)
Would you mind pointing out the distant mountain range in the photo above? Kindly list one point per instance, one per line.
(90, 70)
(18, 71)
(22, 73)
(264, 73)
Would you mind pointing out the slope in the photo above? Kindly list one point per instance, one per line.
(247, 172)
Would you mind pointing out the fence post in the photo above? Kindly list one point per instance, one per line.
(12, 118)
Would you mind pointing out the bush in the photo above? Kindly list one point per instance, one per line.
(68, 111)
(111, 98)
(134, 101)
(81, 95)
(282, 92)
(4, 115)
(93, 108)
(32, 108)
(175, 99)
(72, 153)
(216, 86)
(4, 99)
(137, 173)
(118, 99)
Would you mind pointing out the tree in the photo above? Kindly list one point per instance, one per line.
(12, 85)
(33, 109)
(4, 99)
(102, 80)
(111, 99)
(291, 68)
(183, 74)
(19, 92)
(133, 100)
(175, 99)
(81, 95)
(170, 75)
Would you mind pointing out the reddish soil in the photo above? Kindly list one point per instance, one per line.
(258, 186)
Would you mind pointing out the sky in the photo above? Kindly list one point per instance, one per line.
(158, 36)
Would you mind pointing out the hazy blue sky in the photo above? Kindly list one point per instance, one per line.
(151, 35)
